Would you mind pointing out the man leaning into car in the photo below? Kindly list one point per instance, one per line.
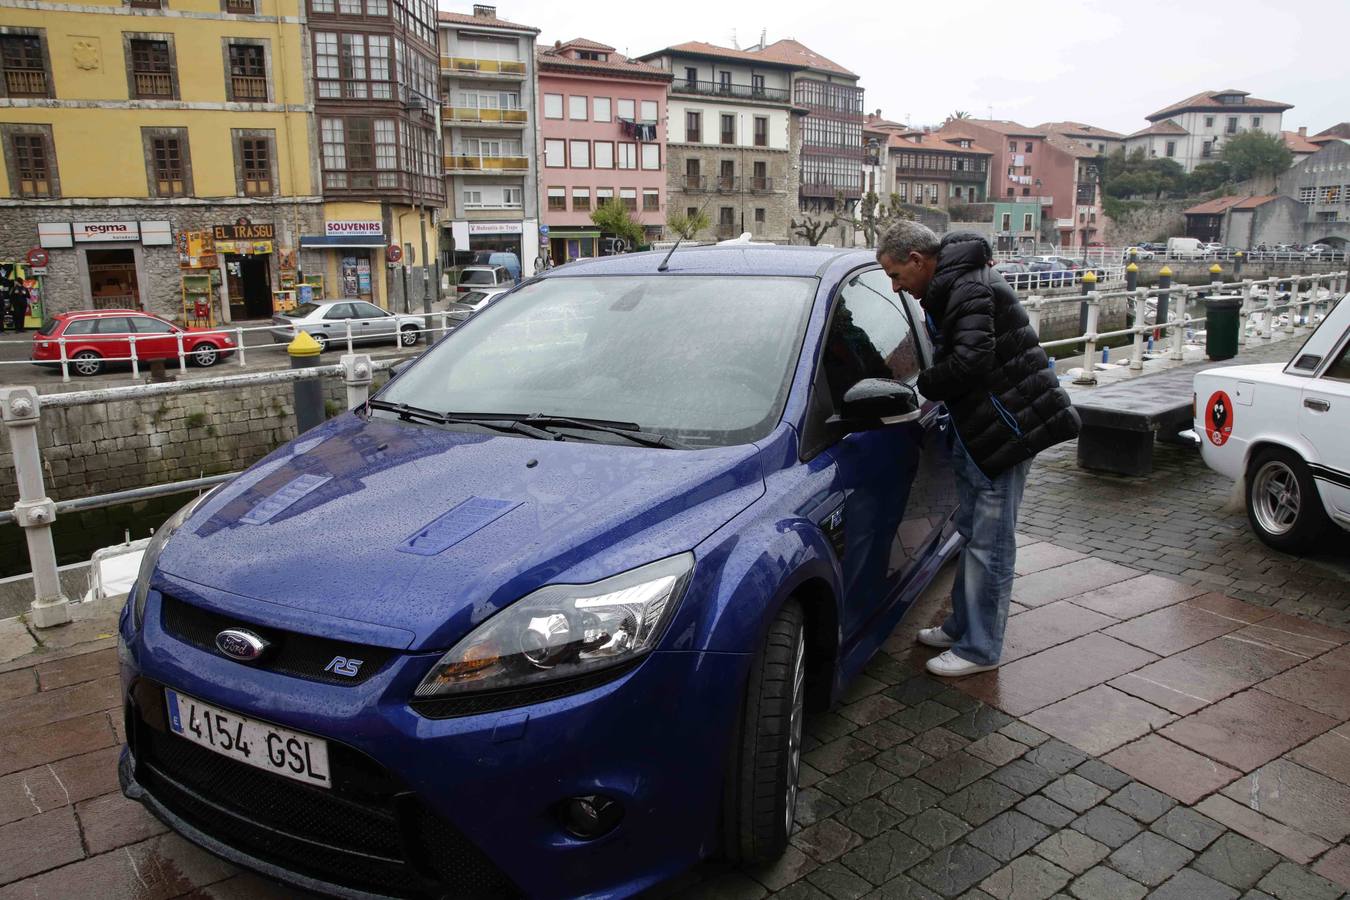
(1006, 405)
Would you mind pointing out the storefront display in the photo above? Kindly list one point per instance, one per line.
(352, 261)
(20, 297)
(113, 280)
(198, 300)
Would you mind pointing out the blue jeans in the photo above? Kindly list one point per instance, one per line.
(987, 519)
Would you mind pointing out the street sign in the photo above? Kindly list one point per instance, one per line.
(543, 229)
(393, 253)
(620, 245)
(37, 257)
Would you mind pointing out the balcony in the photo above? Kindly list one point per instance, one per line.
(727, 184)
(25, 82)
(759, 185)
(696, 184)
(153, 84)
(495, 68)
(471, 115)
(735, 91)
(485, 164)
(249, 88)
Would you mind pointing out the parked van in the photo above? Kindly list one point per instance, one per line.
(1185, 248)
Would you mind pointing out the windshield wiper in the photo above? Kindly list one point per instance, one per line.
(629, 430)
(514, 426)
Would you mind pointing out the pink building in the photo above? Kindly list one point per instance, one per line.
(603, 136)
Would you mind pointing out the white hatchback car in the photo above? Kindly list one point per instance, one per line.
(1282, 432)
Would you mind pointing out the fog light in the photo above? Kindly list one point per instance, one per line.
(591, 816)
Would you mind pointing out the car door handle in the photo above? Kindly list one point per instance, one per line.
(1319, 405)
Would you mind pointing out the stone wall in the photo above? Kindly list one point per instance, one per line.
(779, 203)
(1147, 222)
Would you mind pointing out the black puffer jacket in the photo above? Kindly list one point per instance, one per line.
(990, 369)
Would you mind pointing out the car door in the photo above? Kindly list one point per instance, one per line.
(373, 323)
(1325, 422)
(112, 336)
(333, 325)
(155, 338)
(892, 503)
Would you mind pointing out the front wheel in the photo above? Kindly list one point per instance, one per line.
(407, 335)
(766, 761)
(1283, 505)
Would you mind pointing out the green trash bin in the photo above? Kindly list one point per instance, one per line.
(1222, 321)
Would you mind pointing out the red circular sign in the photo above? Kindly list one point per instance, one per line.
(393, 253)
(1219, 418)
(37, 257)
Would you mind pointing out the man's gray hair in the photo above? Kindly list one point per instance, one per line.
(905, 237)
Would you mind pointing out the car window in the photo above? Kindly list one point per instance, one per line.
(80, 326)
(151, 325)
(367, 311)
(47, 327)
(303, 310)
(340, 311)
(478, 276)
(113, 325)
(869, 337)
(1340, 369)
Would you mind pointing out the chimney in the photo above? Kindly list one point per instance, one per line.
(483, 11)
(1303, 131)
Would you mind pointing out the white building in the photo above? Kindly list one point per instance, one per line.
(1194, 130)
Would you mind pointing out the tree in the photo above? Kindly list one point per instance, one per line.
(815, 226)
(1254, 154)
(959, 114)
(613, 217)
(1136, 175)
(1209, 176)
(876, 217)
(687, 226)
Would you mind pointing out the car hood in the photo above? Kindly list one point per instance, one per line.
(430, 532)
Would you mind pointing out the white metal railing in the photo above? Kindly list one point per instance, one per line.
(35, 512)
(1260, 301)
(1106, 255)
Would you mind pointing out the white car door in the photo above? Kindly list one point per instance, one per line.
(374, 323)
(1325, 422)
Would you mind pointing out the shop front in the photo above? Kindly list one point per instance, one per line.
(485, 238)
(246, 249)
(567, 244)
(352, 257)
(109, 257)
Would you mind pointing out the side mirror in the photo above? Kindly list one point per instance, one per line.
(876, 402)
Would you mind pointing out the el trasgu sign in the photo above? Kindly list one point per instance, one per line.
(259, 231)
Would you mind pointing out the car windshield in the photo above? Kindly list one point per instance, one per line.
(477, 276)
(705, 360)
(303, 310)
(47, 327)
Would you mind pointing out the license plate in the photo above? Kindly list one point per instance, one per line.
(276, 750)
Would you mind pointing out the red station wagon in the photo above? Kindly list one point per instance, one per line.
(95, 337)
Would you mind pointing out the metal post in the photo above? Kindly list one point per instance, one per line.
(1160, 314)
(65, 368)
(1245, 313)
(239, 342)
(304, 352)
(1179, 326)
(135, 363)
(182, 360)
(1271, 290)
(1034, 313)
(34, 512)
(1131, 277)
(1089, 323)
(1238, 259)
(349, 335)
(426, 263)
(1140, 307)
(357, 375)
(1294, 287)
(445, 322)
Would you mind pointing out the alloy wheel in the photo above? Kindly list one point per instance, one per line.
(1276, 497)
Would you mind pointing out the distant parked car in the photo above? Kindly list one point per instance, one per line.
(465, 305)
(1185, 248)
(328, 323)
(474, 278)
(1050, 273)
(1137, 252)
(93, 338)
(1015, 273)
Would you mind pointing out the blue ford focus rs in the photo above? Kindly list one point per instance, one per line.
(542, 618)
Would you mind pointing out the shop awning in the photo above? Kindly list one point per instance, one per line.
(342, 240)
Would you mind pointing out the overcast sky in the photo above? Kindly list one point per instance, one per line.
(1104, 63)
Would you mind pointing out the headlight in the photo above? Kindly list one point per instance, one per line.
(565, 630)
(154, 549)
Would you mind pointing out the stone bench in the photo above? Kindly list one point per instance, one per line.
(1122, 421)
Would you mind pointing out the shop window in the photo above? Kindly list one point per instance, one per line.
(248, 72)
(151, 74)
(30, 160)
(254, 160)
(168, 163)
(651, 200)
(24, 59)
(113, 282)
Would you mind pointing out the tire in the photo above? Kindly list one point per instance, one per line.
(1283, 505)
(205, 355)
(408, 336)
(766, 760)
(321, 340)
(86, 362)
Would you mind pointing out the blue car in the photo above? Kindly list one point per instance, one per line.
(543, 617)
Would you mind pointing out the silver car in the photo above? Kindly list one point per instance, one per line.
(467, 304)
(328, 322)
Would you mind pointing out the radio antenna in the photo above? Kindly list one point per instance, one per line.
(665, 263)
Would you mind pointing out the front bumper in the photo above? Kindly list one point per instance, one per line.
(442, 807)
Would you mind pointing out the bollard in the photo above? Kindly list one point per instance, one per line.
(1295, 286)
(1131, 277)
(1160, 315)
(357, 374)
(1034, 313)
(1052, 363)
(304, 352)
(35, 511)
(1089, 285)
(1089, 326)
(1140, 308)
(1238, 259)
(1245, 313)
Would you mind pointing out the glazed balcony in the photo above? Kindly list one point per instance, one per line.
(492, 68)
(474, 115)
(462, 164)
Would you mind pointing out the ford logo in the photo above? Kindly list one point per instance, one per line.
(240, 644)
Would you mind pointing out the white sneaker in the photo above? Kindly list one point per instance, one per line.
(949, 665)
(935, 637)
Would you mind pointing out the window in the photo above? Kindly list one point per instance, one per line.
(651, 156)
(626, 110)
(604, 154)
(557, 199)
(650, 111)
(30, 161)
(1007, 221)
(1012, 146)
(693, 127)
(248, 73)
(1256, 121)
(555, 153)
(1010, 192)
(603, 196)
(761, 131)
(728, 128)
(1026, 192)
(151, 69)
(1171, 149)
(600, 109)
(581, 199)
(691, 211)
(149, 325)
(253, 155)
(651, 200)
(869, 337)
(1026, 170)
(757, 85)
(24, 60)
(1026, 221)
(238, 7)
(1209, 121)
(1028, 147)
(1307, 194)
(580, 154)
(334, 152)
(902, 191)
(553, 106)
(166, 153)
(690, 76)
(627, 156)
(576, 108)
(759, 216)
(1232, 126)
(726, 217)
(1207, 149)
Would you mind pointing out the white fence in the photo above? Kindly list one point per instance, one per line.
(1095, 256)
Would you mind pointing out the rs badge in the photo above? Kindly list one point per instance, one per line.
(341, 665)
(1219, 418)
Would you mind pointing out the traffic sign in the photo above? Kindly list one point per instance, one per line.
(37, 257)
(543, 229)
(393, 253)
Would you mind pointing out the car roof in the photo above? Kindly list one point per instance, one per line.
(724, 259)
(70, 314)
(482, 268)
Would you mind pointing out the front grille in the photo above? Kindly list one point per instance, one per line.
(291, 653)
(367, 832)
